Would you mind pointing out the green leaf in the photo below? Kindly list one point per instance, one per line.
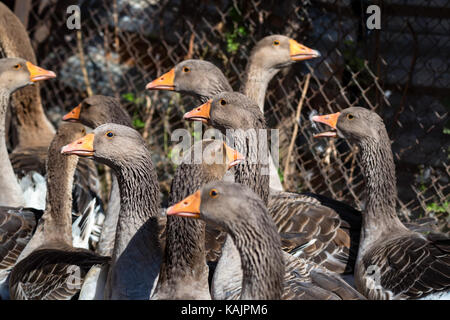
(129, 97)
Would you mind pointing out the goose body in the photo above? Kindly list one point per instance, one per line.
(50, 267)
(393, 262)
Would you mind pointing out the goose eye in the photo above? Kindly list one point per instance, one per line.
(110, 134)
(350, 116)
(17, 66)
(276, 43)
(213, 193)
(186, 69)
(222, 102)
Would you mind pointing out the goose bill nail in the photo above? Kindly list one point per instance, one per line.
(83, 147)
(233, 156)
(200, 113)
(299, 52)
(328, 119)
(74, 114)
(189, 207)
(165, 82)
(38, 73)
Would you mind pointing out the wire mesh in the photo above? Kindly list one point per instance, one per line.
(400, 71)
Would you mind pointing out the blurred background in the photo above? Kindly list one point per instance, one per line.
(401, 71)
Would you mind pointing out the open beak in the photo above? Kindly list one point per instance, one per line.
(200, 113)
(300, 52)
(330, 120)
(233, 156)
(165, 82)
(83, 147)
(189, 207)
(37, 73)
(73, 115)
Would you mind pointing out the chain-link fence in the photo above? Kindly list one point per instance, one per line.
(400, 71)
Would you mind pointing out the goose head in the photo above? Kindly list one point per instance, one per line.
(228, 110)
(221, 203)
(195, 77)
(97, 110)
(16, 73)
(355, 124)
(112, 144)
(278, 51)
(215, 157)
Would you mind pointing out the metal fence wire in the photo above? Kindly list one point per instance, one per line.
(400, 71)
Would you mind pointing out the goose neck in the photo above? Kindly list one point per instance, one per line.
(256, 82)
(33, 127)
(184, 272)
(380, 215)
(10, 191)
(258, 243)
(139, 191)
(4, 102)
(58, 209)
(254, 170)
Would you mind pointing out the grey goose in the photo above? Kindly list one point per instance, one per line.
(393, 262)
(50, 268)
(243, 214)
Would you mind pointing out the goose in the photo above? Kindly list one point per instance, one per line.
(137, 252)
(241, 119)
(393, 262)
(184, 273)
(17, 223)
(31, 126)
(187, 76)
(93, 112)
(33, 132)
(268, 57)
(53, 269)
(243, 214)
(15, 73)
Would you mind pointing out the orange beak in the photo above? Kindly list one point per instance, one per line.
(83, 147)
(73, 115)
(300, 52)
(37, 73)
(200, 113)
(330, 120)
(165, 82)
(189, 207)
(233, 156)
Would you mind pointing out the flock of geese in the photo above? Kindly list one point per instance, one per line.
(230, 232)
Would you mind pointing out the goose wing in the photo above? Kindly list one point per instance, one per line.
(411, 266)
(303, 280)
(17, 226)
(52, 274)
(313, 231)
(307, 281)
